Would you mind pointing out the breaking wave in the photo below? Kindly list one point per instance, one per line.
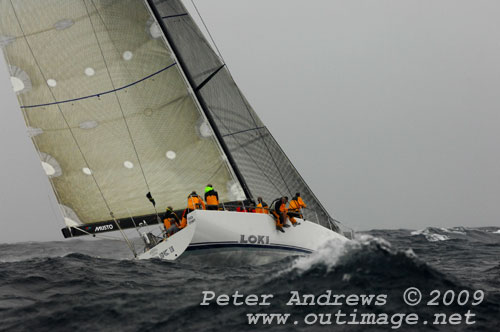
(94, 285)
(435, 234)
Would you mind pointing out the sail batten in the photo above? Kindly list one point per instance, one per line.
(128, 97)
(112, 116)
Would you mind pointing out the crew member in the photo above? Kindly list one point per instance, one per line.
(277, 208)
(261, 206)
(211, 197)
(301, 202)
(195, 202)
(294, 209)
(171, 221)
(285, 211)
(184, 219)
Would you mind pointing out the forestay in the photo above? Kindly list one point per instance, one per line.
(265, 168)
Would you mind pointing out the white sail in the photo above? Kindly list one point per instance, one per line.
(114, 118)
(127, 105)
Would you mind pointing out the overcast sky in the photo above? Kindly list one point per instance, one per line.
(390, 110)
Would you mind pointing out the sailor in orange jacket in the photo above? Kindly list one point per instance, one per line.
(280, 212)
(171, 222)
(261, 206)
(195, 202)
(301, 202)
(294, 209)
(277, 207)
(287, 215)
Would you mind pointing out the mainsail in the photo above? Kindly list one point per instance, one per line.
(126, 97)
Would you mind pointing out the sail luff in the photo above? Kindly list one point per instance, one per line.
(266, 170)
(195, 90)
(117, 111)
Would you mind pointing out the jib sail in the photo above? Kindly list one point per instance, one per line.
(263, 165)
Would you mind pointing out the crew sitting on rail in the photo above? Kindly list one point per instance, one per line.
(211, 197)
(278, 210)
(261, 206)
(294, 208)
(301, 202)
(171, 222)
(195, 202)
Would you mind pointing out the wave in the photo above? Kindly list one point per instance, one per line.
(98, 248)
(68, 281)
(483, 234)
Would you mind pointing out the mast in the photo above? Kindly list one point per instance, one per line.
(196, 90)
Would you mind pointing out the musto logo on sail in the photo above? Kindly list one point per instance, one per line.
(254, 239)
(103, 228)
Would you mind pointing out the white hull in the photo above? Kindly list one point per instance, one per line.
(172, 248)
(236, 238)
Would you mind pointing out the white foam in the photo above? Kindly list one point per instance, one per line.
(455, 230)
(430, 236)
(331, 251)
(328, 254)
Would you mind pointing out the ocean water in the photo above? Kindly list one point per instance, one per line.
(94, 285)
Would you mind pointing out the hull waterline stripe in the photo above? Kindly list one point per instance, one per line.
(102, 93)
(215, 245)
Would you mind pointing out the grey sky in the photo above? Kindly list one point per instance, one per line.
(388, 109)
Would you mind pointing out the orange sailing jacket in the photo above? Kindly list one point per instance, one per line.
(262, 208)
(212, 198)
(301, 203)
(167, 223)
(195, 202)
(294, 205)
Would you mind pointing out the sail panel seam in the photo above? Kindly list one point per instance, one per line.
(243, 131)
(197, 96)
(102, 93)
(243, 99)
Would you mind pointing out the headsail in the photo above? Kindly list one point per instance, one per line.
(265, 168)
(111, 115)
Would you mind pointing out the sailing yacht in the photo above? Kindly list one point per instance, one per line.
(130, 109)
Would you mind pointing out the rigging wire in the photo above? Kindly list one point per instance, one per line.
(117, 98)
(253, 119)
(244, 101)
(208, 31)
